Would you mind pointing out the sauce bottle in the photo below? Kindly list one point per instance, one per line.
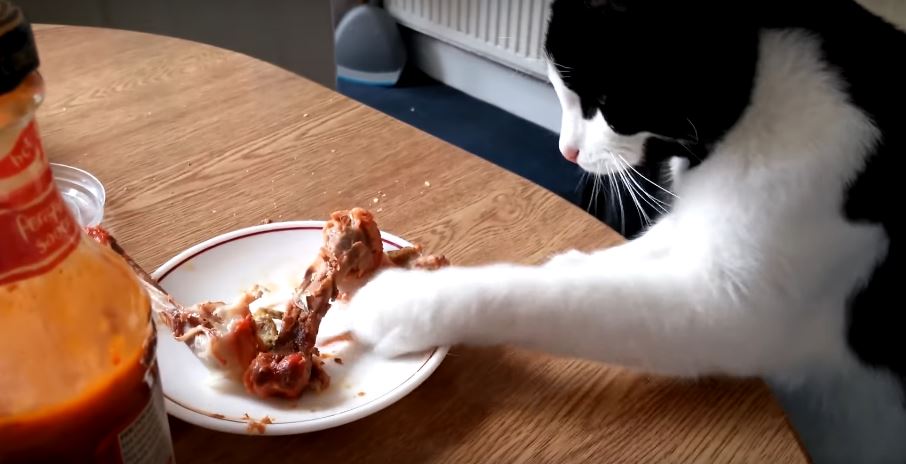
(78, 375)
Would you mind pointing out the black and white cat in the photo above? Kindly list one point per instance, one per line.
(781, 121)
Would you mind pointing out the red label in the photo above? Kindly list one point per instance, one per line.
(27, 149)
(37, 230)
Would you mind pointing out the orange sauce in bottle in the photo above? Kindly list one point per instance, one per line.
(78, 375)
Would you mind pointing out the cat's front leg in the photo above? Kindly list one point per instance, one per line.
(403, 311)
(681, 311)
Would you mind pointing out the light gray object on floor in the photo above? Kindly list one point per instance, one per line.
(369, 48)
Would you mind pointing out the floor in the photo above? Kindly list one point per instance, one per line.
(477, 127)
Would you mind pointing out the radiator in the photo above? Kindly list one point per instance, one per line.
(509, 32)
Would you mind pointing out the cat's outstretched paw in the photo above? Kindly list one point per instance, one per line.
(403, 311)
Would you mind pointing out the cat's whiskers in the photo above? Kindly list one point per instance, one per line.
(652, 201)
(582, 179)
(626, 163)
(619, 201)
(629, 188)
(564, 71)
(593, 204)
(683, 144)
(635, 199)
(604, 188)
(594, 193)
(694, 129)
(659, 205)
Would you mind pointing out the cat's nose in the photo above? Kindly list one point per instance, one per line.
(571, 153)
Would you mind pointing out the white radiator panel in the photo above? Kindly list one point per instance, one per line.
(509, 32)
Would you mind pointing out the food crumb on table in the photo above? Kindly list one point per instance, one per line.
(266, 221)
(361, 393)
(338, 360)
(427, 183)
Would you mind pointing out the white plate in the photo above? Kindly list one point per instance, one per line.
(222, 267)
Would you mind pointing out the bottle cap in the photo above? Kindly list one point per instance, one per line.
(18, 53)
(82, 192)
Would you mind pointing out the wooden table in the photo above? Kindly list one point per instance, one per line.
(193, 141)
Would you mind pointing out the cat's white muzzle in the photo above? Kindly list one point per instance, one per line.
(601, 150)
(605, 161)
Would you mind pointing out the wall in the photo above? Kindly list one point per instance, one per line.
(341, 7)
(508, 84)
(509, 33)
(893, 10)
(294, 34)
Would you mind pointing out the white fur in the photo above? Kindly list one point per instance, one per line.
(748, 275)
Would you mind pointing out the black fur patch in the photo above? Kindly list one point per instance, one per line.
(655, 66)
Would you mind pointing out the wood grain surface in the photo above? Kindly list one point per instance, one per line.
(193, 141)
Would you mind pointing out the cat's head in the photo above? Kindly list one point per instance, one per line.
(643, 79)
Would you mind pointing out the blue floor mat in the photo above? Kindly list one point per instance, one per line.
(477, 127)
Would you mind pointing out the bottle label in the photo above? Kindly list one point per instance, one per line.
(37, 230)
(25, 151)
(147, 439)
